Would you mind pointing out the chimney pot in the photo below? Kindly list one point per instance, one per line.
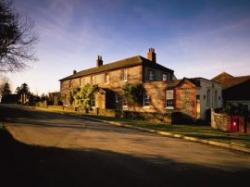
(74, 72)
(99, 61)
(151, 55)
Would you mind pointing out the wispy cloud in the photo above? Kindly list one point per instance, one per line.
(195, 38)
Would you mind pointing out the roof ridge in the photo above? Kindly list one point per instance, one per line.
(138, 57)
(223, 73)
(242, 76)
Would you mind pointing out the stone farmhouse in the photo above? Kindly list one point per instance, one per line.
(163, 92)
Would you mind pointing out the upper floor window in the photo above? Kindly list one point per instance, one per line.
(170, 99)
(170, 77)
(164, 77)
(106, 78)
(215, 98)
(124, 74)
(208, 98)
(197, 97)
(82, 81)
(151, 75)
(92, 79)
(146, 100)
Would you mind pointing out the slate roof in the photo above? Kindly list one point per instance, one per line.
(173, 83)
(128, 62)
(196, 81)
(228, 81)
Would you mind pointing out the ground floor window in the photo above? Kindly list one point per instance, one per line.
(116, 98)
(146, 100)
(170, 103)
(92, 101)
(124, 102)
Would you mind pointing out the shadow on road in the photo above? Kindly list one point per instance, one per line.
(17, 115)
(25, 165)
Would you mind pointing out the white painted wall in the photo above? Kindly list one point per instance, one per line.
(215, 101)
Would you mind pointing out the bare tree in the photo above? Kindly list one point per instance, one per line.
(17, 39)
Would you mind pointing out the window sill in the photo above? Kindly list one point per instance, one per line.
(170, 107)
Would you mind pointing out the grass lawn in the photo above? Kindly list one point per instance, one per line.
(198, 131)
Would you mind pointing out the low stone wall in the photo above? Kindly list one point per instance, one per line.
(223, 122)
(220, 121)
(104, 112)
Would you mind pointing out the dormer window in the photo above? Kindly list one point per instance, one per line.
(151, 75)
(164, 77)
(124, 75)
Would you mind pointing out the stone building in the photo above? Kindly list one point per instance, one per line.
(194, 96)
(162, 91)
(112, 77)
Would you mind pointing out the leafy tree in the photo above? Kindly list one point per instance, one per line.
(16, 39)
(33, 99)
(5, 90)
(23, 89)
(82, 96)
(23, 93)
(44, 97)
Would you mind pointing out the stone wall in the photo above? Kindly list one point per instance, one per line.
(157, 92)
(185, 99)
(157, 74)
(135, 75)
(220, 121)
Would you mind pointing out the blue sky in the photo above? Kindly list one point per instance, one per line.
(192, 37)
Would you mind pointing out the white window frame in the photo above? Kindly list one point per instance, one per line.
(148, 102)
(107, 78)
(151, 75)
(125, 74)
(169, 97)
(164, 77)
(124, 103)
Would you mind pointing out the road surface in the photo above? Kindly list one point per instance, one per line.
(117, 156)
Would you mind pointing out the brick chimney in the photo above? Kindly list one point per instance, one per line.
(74, 72)
(99, 61)
(151, 55)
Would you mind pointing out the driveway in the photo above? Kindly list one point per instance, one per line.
(141, 158)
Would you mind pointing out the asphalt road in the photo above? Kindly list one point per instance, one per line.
(92, 153)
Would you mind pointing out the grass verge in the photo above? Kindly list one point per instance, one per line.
(198, 131)
(203, 132)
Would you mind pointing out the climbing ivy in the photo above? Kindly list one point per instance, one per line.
(134, 93)
(82, 96)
